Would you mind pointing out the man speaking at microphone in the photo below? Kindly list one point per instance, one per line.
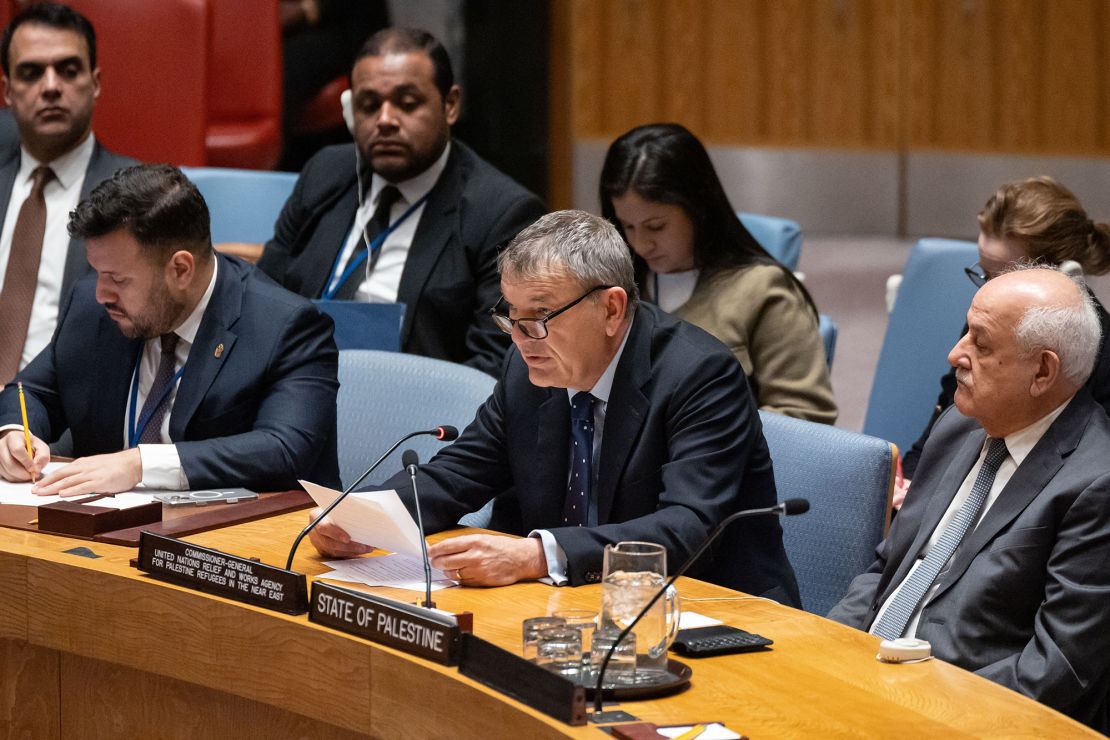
(611, 421)
(173, 366)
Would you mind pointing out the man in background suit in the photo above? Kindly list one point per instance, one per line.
(1001, 559)
(194, 370)
(444, 210)
(51, 82)
(612, 421)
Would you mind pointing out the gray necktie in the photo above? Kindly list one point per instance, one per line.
(901, 609)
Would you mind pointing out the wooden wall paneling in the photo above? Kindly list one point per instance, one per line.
(587, 69)
(1017, 62)
(964, 103)
(631, 93)
(1073, 63)
(28, 690)
(837, 92)
(734, 101)
(785, 73)
(682, 67)
(560, 130)
(882, 71)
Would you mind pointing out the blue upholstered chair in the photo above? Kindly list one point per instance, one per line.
(930, 310)
(779, 236)
(848, 478)
(244, 203)
(385, 395)
(828, 329)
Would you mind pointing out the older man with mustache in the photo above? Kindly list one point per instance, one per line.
(1000, 559)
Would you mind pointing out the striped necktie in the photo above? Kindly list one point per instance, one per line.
(901, 609)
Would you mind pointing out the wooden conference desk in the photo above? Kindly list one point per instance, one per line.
(92, 648)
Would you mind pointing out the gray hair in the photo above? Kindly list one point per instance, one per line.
(1071, 331)
(586, 247)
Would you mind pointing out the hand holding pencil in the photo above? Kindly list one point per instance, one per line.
(22, 455)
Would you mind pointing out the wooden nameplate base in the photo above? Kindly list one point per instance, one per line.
(88, 520)
(221, 574)
(426, 633)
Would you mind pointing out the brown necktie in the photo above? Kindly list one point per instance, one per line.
(22, 277)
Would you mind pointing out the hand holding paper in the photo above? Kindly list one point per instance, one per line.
(365, 517)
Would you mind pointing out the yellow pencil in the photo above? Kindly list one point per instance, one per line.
(26, 428)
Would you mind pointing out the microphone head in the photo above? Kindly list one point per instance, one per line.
(410, 458)
(792, 506)
(447, 433)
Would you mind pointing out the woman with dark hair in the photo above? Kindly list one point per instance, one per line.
(1033, 220)
(695, 259)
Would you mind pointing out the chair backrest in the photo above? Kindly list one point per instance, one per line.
(365, 325)
(385, 395)
(153, 59)
(829, 330)
(848, 479)
(928, 315)
(244, 203)
(779, 236)
(244, 92)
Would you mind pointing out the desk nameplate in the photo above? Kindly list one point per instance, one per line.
(221, 574)
(411, 629)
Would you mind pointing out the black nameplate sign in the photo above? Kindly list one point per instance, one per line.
(523, 680)
(411, 629)
(218, 573)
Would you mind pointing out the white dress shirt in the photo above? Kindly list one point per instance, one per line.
(556, 558)
(381, 284)
(61, 195)
(1018, 445)
(161, 463)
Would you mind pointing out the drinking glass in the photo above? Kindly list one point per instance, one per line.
(622, 666)
(559, 650)
(531, 632)
(585, 621)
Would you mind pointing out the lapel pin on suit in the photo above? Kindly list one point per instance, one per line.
(219, 350)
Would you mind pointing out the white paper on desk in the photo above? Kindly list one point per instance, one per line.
(119, 501)
(20, 493)
(376, 518)
(692, 620)
(396, 571)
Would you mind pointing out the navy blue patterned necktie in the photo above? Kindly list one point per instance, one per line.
(577, 506)
(901, 609)
(158, 399)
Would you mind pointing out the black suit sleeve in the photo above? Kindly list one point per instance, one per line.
(1067, 653)
(45, 415)
(290, 224)
(294, 421)
(485, 343)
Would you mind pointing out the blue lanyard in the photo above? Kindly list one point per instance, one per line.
(137, 429)
(356, 262)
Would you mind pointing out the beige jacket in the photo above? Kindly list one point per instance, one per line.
(759, 314)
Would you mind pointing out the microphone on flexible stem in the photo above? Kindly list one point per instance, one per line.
(789, 507)
(443, 433)
(410, 460)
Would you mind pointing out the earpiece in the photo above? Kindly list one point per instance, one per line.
(348, 111)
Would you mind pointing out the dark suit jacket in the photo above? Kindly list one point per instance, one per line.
(260, 415)
(450, 276)
(1025, 600)
(1098, 384)
(102, 165)
(682, 449)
